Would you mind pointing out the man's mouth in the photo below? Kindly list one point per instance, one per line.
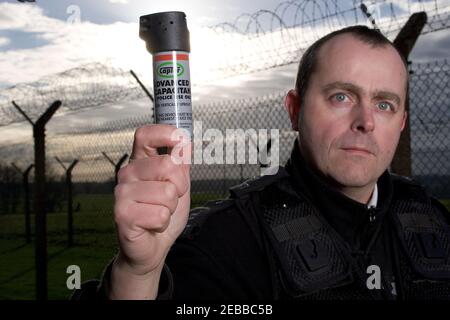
(357, 150)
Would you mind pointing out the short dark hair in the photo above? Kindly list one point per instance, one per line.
(308, 63)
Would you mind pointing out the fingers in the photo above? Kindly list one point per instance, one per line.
(148, 138)
(155, 168)
(148, 217)
(149, 192)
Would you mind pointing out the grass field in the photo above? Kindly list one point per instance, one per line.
(94, 239)
(95, 245)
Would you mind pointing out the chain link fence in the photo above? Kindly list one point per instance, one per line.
(94, 175)
(429, 120)
(430, 126)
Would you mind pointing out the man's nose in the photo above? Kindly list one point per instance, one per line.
(363, 118)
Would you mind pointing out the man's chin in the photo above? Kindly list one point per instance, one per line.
(352, 179)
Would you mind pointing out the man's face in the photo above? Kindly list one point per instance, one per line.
(354, 111)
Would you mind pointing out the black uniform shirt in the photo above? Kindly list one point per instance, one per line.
(225, 262)
(224, 259)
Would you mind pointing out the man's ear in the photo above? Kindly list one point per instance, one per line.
(292, 105)
(405, 118)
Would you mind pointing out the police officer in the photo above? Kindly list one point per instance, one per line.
(332, 224)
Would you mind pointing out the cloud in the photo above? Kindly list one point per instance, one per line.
(432, 46)
(66, 45)
(24, 16)
(411, 7)
(119, 1)
(4, 41)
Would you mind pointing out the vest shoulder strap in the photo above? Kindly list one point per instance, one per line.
(423, 230)
(199, 215)
(257, 184)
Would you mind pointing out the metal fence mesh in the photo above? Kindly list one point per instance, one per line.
(430, 126)
(264, 40)
(93, 177)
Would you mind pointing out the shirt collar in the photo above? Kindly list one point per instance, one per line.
(374, 199)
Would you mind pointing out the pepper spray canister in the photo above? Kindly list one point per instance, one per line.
(167, 39)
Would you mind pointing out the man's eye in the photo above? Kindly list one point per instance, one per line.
(340, 97)
(385, 106)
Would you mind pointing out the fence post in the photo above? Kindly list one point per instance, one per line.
(404, 42)
(26, 187)
(69, 199)
(116, 165)
(39, 196)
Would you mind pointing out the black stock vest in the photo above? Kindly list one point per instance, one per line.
(310, 260)
(270, 239)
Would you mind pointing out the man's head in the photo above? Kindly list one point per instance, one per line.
(349, 105)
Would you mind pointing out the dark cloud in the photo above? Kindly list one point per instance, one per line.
(432, 46)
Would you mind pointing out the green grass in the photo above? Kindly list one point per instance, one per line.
(17, 275)
(94, 246)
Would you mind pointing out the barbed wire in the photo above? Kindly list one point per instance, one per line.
(429, 120)
(87, 86)
(336, 14)
(266, 39)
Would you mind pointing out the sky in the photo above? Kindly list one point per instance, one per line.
(51, 36)
(47, 37)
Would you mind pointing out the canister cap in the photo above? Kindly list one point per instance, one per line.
(165, 31)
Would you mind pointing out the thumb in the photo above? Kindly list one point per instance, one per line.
(182, 150)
